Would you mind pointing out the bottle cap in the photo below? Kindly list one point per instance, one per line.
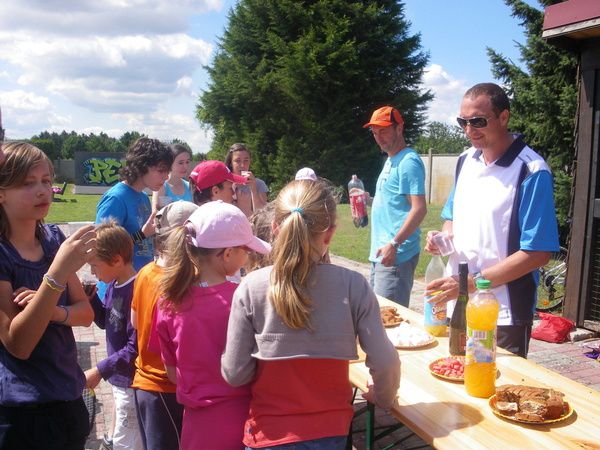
(483, 284)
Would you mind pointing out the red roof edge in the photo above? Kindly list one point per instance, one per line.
(570, 12)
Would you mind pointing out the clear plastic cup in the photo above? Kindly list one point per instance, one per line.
(444, 243)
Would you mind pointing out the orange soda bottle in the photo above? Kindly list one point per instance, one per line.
(480, 358)
(435, 319)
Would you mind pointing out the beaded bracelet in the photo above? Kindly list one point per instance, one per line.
(53, 284)
(66, 315)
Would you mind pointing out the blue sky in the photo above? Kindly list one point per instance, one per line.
(120, 65)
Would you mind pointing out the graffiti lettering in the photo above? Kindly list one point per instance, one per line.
(102, 171)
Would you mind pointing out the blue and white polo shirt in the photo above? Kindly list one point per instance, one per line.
(498, 209)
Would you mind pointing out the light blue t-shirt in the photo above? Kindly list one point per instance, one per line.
(131, 209)
(402, 174)
(187, 193)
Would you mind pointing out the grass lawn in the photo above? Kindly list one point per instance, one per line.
(73, 208)
(354, 243)
(349, 242)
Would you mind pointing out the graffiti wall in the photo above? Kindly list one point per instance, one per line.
(97, 169)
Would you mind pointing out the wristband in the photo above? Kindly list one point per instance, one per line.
(66, 315)
(53, 284)
(138, 236)
(395, 243)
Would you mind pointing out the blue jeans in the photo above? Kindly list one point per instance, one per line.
(395, 282)
(328, 443)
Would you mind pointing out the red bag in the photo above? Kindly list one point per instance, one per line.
(552, 328)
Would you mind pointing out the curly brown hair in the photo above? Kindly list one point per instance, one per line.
(143, 154)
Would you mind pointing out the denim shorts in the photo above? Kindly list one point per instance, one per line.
(328, 443)
(395, 282)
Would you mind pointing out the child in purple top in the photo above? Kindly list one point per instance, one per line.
(41, 298)
(192, 322)
(113, 265)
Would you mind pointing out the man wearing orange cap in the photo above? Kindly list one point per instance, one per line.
(397, 211)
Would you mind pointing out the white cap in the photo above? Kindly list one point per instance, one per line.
(306, 173)
(221, 225)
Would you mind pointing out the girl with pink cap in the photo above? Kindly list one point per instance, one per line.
(192, 322)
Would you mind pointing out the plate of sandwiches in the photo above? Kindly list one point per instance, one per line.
(530, 405)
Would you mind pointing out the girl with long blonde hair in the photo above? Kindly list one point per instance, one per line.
(298, 321)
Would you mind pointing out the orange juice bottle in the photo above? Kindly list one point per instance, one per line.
(480, 358)
(435, 319)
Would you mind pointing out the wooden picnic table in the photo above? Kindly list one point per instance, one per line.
(445, 416)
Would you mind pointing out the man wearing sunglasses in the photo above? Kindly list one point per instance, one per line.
(398, 209)
(500, 213)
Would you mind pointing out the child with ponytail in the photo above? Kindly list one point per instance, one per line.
(192, 322)
(298, 321)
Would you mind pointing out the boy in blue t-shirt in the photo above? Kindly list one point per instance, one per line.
(112, 264)
(147, 166)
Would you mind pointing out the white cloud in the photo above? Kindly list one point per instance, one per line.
(73, 64)
(448, 93)
(167, 126)
(126, 73)
(26, 113)
(107, 17)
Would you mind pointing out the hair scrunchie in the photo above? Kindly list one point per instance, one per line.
(298, 210)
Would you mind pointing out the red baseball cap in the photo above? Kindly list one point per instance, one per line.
(385, 116)
(210, 173)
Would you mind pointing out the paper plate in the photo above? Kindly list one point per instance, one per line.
(445, 377)
(406, 330)
(413, 347)
(566, 414)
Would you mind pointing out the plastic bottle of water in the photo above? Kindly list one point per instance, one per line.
(358, 204)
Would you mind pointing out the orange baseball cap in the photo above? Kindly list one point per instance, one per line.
(385, 116)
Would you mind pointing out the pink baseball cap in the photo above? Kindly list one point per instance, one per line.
(210, 173)
(221, 225)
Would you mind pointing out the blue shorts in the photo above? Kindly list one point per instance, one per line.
(395, 282)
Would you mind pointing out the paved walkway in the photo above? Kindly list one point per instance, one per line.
(567, 359)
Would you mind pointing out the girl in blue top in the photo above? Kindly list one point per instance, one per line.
(41, 298)
(176, 187)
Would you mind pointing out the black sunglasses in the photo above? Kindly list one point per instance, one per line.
(475, 122)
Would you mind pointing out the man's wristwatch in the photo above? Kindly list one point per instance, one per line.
(395, 243)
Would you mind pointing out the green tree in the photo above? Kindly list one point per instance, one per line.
(98, 143)
(442, 138)
(129, 137)
(74, 143)
(296, 80)
(543, 100)
(47, 146)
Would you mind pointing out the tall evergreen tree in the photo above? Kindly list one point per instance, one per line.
(297, 79)
(543, 100)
